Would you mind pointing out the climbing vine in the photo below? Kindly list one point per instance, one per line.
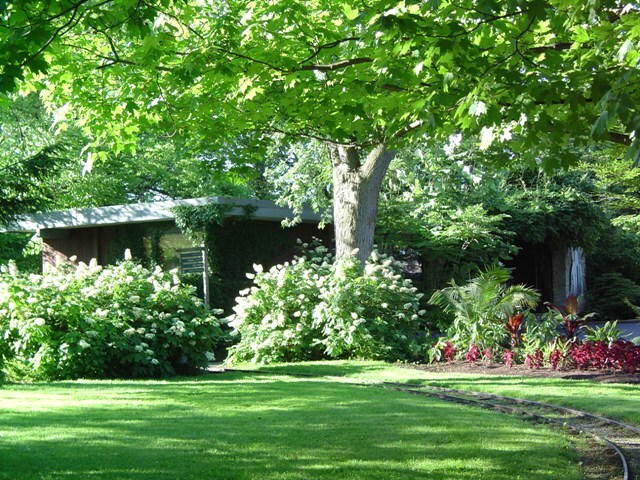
(193, 221)
(234, 244)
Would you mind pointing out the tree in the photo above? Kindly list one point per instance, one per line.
(30, 157)
(362, 77)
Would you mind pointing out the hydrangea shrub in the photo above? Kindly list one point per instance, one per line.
(313, 308)
(102, 322)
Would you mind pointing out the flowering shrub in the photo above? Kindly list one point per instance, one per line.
(96, 322)
(312, 308)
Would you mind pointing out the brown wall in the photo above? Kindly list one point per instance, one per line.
(62, 245)
(95, 242)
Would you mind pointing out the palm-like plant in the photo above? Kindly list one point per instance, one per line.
(569, 315)
(482, 306)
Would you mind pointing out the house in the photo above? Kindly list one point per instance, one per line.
(149, 230)
(250, 232)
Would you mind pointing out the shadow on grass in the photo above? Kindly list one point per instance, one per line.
(616, 401)
(231, 426)
(331, 368)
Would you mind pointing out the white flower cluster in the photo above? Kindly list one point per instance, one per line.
(313, 307)
(101, 321)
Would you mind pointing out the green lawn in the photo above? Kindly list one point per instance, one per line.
(244, 426)
(613, 400)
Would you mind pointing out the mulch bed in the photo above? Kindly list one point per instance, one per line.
(601, 376)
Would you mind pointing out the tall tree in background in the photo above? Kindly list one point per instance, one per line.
(31, 156)
(362, 77)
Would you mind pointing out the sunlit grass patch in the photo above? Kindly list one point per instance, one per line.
(614, 400)
(247, 426)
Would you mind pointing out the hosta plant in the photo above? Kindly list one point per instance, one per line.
(97, 322)
(609, 333)
(314, 308)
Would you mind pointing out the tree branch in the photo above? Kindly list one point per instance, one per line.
(554, 46)
(327, 46)
(337, 65)
(55, 34)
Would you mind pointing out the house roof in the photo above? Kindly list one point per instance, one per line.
(146, 212)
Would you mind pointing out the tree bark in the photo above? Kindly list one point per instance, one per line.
(356, 189)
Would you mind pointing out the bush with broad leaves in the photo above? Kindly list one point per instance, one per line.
(313, 308)
(102, 322)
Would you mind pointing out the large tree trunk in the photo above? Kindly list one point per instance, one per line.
(356, 189)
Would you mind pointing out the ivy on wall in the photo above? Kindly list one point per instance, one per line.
(131, 237)
(194, 221)
(233, 244)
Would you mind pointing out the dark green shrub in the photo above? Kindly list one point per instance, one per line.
(607, 293)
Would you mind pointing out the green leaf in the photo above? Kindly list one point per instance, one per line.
(350, 13)
(477, 108)
(601, 125)
(625, 48)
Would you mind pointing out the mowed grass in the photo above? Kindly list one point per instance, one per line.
(614, 400)
(248, 426)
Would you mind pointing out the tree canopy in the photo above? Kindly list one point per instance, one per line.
(363, 77)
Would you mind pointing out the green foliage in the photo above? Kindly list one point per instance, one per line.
(553, 210)
(299, 176)
(608, 292)
(312, 308)
(608, 333)
(481, 308)
(95, 322)
(195, 221)
(238, 243)
(439, 206)
(347, 72)
(23, 249)
(539, 332)
(31, 156)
